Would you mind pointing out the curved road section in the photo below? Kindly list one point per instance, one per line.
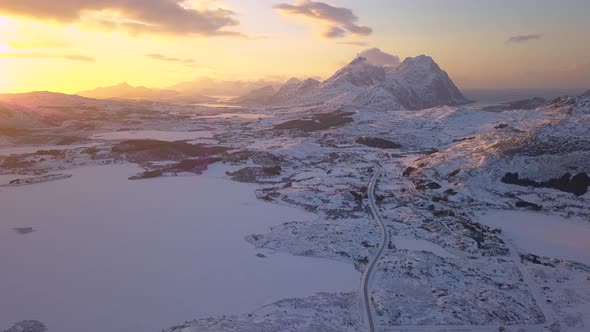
(367, 307)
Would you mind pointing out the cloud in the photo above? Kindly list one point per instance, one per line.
(520, 39)
(335, 32)
(353, 43)
(138, 16)
(161, 57)
(31, 55)
(35, 44)
(379, 58)
(341, 21)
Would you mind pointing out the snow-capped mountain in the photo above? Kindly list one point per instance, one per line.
(292, 88)
(417, 83)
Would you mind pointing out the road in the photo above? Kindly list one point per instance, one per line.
(368, 312)
(368, 308)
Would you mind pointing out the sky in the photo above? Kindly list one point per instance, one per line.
(75, 45)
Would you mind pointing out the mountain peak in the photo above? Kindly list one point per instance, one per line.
(421, 61)
(123, 85)
(358, 60)
(292, 80)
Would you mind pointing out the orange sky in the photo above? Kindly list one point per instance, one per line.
(78, 45)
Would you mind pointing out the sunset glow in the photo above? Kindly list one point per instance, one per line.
(294, 165)
(261, 39)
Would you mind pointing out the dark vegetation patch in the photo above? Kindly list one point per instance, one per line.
(457, 140)
(252, 174)
(144, 150)
(577, 185)
(408, 171)
(422, 184)
(318, 122)
(486, 238)
(197, 166)
(68, 140)
(375, 142)
(454, 172)
(259, 158)
(51, 153)
(529, 205)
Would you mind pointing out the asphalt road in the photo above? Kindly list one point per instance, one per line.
(368, 309)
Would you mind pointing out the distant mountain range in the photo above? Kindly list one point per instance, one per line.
(417, 83)
(126, 91)
(221, 88)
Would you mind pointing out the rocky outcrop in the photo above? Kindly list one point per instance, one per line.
(145, 150)
(379, 143)
(253, 174)
(196, 166)
(525, 104)
(28, 326)
(577, 185)
(318, 122)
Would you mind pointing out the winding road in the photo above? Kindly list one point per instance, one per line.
(367, 307)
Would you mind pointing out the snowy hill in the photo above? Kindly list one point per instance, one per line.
(14, 118)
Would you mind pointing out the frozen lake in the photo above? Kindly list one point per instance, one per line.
(109, 254)
(170, 136)
(544, 235)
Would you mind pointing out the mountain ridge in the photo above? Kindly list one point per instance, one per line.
(417, 83)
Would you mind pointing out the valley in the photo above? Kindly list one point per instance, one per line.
(377, 196)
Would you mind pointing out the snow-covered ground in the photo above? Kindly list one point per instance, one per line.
(108, 254)
(442, 168)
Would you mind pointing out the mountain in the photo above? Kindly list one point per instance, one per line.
(38, 109)
(291, 81)
(224, 88)
(256, 96)
(417, 83)
(359, 73)
(126, 91)
(292, 88)
(288, 90)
